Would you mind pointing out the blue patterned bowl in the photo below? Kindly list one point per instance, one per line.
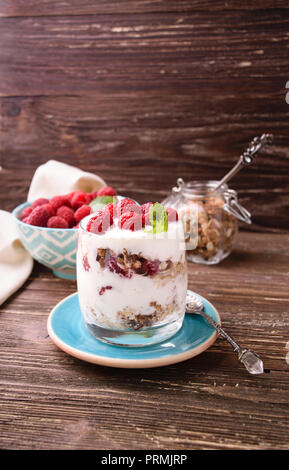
(54, 248)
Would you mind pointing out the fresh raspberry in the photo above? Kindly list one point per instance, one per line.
(39, 217)
(25, 220)
(111, 207)
(26, 212)
(130, 221)
(78, 199)
(89, 197)
(126, 205)
(82, 212)
(106, 191)
(57, 222)
(58, 201)
(70, 195)
(100, 222)
(39, 202)
(76, 226)
(172, 215)
(93, 195)
(49, 209)
(145, 210)
(67, 214)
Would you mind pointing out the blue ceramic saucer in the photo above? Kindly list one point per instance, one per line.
(68, 331)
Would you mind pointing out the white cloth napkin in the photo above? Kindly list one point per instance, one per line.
(50, 179)
(15, 262)
(54, 178)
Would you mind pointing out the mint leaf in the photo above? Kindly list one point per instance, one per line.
(101, 201)
(159, 218)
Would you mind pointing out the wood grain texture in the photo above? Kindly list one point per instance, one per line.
(74, 7)
(50, 400)
(142, 143)
(78, 54)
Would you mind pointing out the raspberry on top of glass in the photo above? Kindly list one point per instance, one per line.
(128, 215)
(66, 211)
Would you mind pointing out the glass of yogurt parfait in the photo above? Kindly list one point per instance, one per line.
(131, 273)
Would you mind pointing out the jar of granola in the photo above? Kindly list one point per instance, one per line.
(210, 218)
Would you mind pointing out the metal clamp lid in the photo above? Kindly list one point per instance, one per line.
(181, 184)
(234, 207)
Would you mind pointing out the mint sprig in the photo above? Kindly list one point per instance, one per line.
(101, 201)
(158, 218)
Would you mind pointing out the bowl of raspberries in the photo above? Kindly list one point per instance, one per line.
(48, 227)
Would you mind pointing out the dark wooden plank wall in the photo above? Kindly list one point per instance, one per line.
(142, 92)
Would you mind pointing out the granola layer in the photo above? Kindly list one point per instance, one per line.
(126, 264)
(132, 319)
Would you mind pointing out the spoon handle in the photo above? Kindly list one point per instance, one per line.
(247, 157)
(248, 358)
(222, 332)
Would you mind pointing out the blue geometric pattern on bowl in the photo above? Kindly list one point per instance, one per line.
(54, 248)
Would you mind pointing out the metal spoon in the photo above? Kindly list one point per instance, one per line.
(247, 157)
(248, 358)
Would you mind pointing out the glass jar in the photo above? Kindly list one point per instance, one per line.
(132, 285)
(210, 218)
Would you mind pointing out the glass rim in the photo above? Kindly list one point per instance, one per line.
(197, 188)
(80, 226)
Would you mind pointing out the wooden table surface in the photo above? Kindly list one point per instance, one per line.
(50, 400)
